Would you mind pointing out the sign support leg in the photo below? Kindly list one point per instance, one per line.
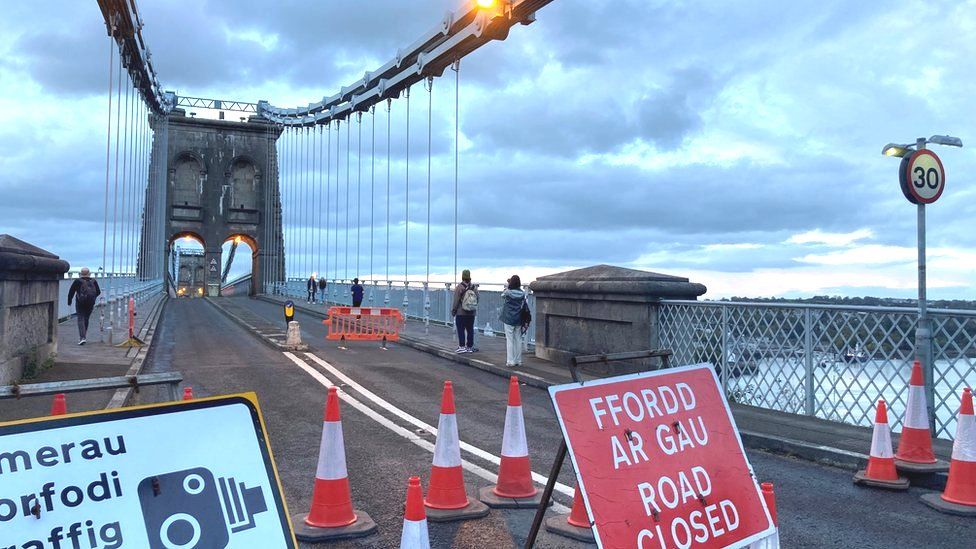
(540, 513)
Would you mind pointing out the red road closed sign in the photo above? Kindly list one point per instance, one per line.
(659, 461)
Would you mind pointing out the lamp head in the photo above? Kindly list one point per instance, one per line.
(946, 140)
(894, 149)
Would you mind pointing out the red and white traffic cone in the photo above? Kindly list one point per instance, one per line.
(771, 541)
(447, 499)
(59, 406)
(575, 525)
(415, 534)
(515, 489)
(881, 472)
(332, 516)
(959, 497)
(188, 393)
(915, 445)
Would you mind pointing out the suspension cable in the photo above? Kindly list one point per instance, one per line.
(318, 232)
(338, 160)
(372, 191)
(406, 205)
(126, 153)
(115, 192)
(430, 110)
(328, 199)
(348, 136)
(303, 221)
(359, 187)
(108, 148)
(457, 133)
(389, 107)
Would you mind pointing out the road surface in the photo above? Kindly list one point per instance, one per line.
(397, 396)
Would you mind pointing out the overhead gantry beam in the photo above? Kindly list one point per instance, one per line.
(458, 34)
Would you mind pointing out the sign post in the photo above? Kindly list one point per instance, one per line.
(922, 179)
(659, 462)
(191, 474)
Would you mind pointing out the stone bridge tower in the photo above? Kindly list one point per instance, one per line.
(221, 183)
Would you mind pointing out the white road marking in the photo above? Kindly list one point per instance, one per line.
(412, 437)
(386, 405)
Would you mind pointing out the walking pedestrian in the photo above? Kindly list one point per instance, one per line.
(511, 318)
(322, 285)
(357, 293)
(311, 286)
(464, 309)
(87, 291)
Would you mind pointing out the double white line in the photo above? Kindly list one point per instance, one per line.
(406, 433)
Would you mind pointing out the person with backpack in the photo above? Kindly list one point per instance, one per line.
(464, 308)
(86, 290)
(311, 286)
(514, 301)
(357, 293)
(322, 285)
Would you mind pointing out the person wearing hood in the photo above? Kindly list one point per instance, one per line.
(511, 318)
(311, 285)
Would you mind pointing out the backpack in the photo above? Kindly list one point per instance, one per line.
(525, 315)
(86, 292)
(469, 300)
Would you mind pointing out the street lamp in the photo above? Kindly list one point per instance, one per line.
(932, 180)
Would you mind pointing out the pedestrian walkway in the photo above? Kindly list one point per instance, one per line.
(808, 437)
(95, 359)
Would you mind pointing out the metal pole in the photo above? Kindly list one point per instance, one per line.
(923, 332)
(546, 495)
(810, 402)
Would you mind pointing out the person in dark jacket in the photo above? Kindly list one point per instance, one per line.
(311, 286)
(357, 293)
(464, 310)
(511, 318)
(322, 285)
(86, 290)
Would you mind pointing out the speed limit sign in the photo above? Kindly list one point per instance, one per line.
(922, 177)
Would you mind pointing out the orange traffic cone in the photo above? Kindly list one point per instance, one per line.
(575, 525)
(515, 489)
(959, 497)
(881, 472)
(447, 499)
(915, 445)
(772, 540)
(188, 393)
(332, 516)
(415, 535)
(59, 406)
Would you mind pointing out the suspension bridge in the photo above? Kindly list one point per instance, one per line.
(211, 224)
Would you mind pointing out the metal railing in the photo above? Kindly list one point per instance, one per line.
(122, 287)
(431, 302)
(832, 362)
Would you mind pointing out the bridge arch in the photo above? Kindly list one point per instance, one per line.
(252, 244)
(187, 270)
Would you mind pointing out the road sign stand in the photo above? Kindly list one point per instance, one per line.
(557, 464)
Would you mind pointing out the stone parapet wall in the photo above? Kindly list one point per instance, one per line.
(29, 281)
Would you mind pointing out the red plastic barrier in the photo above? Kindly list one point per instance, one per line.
(364, 323)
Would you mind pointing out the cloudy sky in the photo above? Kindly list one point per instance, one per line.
(736, 143)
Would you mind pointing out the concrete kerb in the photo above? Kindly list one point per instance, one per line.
(146, 334)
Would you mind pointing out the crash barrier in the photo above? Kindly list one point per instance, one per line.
(364, 324)
(171, 380)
